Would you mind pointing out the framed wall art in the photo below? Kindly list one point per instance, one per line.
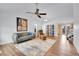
(22, 24)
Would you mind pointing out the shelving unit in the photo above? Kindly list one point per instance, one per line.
(50, 30)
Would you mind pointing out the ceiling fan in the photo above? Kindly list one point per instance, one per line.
(37, 13)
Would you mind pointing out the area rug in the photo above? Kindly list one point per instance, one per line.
(36, 47)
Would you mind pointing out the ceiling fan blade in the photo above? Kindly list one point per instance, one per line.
(39, 16)
(30, 12)
(42, 13)
(37, 11)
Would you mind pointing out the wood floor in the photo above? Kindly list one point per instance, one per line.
(9, 50)
(61, 48)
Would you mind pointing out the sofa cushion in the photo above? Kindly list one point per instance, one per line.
(29, 33)
(18, 35)
(24, 38)
(21, 34)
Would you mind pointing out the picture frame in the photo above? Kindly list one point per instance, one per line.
(22, 24)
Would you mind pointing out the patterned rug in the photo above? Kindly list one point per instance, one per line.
(36, 47)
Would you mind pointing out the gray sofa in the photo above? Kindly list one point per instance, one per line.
(22, 36)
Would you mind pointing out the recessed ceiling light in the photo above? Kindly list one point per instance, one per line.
(45, 20)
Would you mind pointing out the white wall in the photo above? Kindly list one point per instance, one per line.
(0, 34)
(8, 25)
(76, 26)
(76, 36)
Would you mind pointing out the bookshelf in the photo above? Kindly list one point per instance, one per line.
(50, 30)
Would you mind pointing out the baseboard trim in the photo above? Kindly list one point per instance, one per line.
(5, 43)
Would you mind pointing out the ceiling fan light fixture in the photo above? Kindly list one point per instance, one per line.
(39, 15)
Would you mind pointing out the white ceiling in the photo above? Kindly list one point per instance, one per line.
(53, 10)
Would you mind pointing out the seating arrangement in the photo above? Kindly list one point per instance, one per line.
(22, 36)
